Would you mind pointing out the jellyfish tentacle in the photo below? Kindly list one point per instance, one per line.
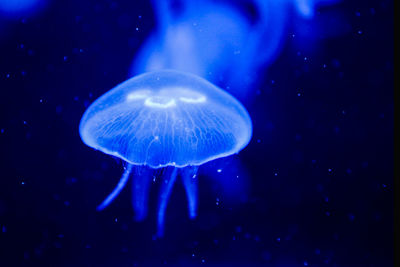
(189, 180)
(166, 188)
(121, 184)
(140, 193)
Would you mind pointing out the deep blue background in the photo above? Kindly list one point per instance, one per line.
(320, 164)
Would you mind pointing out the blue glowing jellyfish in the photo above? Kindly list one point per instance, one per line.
(225, 43)
(165, 119)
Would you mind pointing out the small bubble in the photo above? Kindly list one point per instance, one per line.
(335, 236)
(58, 109)
(65, 58)
(336, 129)
(372, 11)
(219, 170)
(336, 63)
(320, 187)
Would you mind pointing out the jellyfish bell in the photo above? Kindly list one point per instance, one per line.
(165, 119)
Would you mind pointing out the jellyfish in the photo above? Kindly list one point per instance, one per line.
(167, 122)
(227, 42)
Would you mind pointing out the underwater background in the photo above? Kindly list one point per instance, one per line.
(314, 187)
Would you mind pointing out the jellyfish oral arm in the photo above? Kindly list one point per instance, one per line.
(121, 184)
(140, 193)
(166, 188)
(189, 180)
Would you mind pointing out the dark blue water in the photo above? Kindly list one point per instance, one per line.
(313, 188)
